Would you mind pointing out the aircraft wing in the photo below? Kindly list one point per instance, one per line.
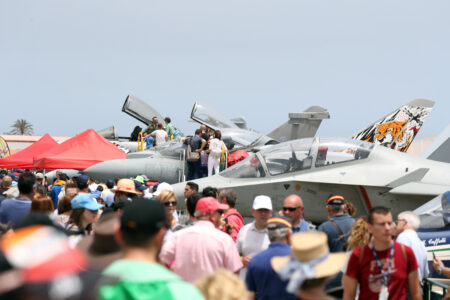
(439, 150)
(419, 189)
(300, 125)
(398, 129)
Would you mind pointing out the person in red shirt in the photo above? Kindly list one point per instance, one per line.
(383, 268)
(231, 216)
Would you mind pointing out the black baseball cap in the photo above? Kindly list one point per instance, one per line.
(336, 200)
(143, 216)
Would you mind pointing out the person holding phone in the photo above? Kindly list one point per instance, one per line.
(438, 265)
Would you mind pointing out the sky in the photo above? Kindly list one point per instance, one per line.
(68, 65)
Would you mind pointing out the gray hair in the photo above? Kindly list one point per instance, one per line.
(230, 196)
(278, 234)
(336, 208)
(411, 218)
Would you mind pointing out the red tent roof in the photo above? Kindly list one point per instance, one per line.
(80, 152)
(24, 158)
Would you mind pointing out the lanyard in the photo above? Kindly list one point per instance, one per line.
(380, 266)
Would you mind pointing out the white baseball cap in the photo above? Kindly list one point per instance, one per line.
(262, 201)
(162, 187)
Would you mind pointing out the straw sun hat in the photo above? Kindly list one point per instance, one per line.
(125, 185)
(310, 259)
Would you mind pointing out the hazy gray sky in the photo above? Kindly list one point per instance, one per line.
(68, 65)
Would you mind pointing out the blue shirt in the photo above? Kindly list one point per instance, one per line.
(262, 279)
(302, 227)
(14, 209)
(345, 223)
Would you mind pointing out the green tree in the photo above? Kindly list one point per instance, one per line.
(22, 127)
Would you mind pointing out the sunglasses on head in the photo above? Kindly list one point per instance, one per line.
(168, 203)
(290, 208)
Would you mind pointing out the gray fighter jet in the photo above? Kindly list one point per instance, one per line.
(167, 162)
(367, 174)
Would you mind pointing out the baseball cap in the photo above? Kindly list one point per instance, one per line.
(143, 216)
(82, 179)
(85, 201)
(39, 176)
(278, 222)
(208, 205)
(139, 186)
(110, 183)
(336, 200)
(162, 187)
(262, 202)
(140, 179)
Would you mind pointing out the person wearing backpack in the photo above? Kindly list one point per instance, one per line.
(337, 229)
(339, 224)
(216, 148)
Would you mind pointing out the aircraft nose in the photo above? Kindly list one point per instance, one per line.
(178, 189)
(108, 169)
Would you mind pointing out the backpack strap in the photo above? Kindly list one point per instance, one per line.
(341, 234)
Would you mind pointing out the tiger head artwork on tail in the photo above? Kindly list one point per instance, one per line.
(398, 129)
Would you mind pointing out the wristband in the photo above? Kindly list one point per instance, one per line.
(440, 269)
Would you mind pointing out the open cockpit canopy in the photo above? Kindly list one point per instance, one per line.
(299, 155)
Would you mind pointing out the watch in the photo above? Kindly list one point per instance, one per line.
(440, 269)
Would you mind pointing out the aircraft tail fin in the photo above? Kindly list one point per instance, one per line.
(398, 129)
(300, 125)
(439, 150)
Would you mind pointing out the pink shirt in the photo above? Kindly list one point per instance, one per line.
(200, 249)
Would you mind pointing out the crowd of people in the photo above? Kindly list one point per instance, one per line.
(124, 239)
(208, 146)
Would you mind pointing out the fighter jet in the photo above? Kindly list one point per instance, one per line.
(367, 174)
(142, 112)
(167, 163)
(434, 229)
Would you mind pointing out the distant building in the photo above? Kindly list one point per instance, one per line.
(19, 142)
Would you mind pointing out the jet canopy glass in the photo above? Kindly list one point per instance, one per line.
(298, 155)
(204, 114)
(435, 213)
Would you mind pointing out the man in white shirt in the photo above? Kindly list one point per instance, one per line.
(407, 224)
(160, 135)
(253, 238)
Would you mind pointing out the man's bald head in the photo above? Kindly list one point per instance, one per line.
(293, 208)
(7, 181)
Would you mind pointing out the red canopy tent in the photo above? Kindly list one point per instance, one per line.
(80, 152)
(24, 158)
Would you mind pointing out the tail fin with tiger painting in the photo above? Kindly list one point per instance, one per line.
(398, 129)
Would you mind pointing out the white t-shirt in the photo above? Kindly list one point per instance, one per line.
(160, 136)
(250, 241)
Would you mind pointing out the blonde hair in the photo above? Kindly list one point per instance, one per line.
(166, 196)
(222, 285)
(359, 235)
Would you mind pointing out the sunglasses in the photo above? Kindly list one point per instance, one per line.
(168, 203)
(290, 208)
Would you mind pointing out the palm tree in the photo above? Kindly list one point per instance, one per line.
(22, 127)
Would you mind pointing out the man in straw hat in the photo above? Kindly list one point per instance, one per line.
(383, 268)
(125, 188)
(261, 279)
(310, 266)
(142, 229)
